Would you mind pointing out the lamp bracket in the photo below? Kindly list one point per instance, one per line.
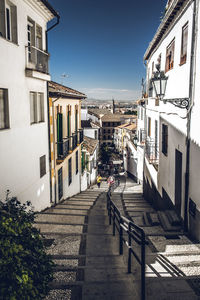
(178, 102)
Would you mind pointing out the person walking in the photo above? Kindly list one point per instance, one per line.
(99, 179)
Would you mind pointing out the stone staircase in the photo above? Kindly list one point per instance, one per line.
(80, 241)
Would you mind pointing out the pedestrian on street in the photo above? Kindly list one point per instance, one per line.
(99, 179)
(111, 181)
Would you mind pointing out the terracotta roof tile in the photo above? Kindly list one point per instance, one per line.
(90, 144)
(58, 88)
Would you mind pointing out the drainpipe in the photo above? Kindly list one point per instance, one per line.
(49, 140)
(191, 97)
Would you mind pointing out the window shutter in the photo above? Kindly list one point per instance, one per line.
(2, 19)
(14, 23)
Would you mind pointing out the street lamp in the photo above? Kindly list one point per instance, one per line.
(159, 81)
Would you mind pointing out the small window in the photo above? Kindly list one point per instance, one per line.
(95, 135)
(70, 171)
(152, 67)
(4, 111)
(170, 56)
(149, 127)
(40, 107)
(77, 162)
(36, 107)
(8, 21)
(164, 139)
(184, 44)
(42, 165)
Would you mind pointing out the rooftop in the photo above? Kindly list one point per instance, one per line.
(90, 144)
(98, 112)
(59, 90)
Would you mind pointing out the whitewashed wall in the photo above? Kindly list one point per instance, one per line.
(23, 144)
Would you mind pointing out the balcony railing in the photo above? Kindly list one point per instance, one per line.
(80, 131)
(63, 149)
(37, 59)
(152, 151)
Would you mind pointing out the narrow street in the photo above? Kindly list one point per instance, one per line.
(88, 264)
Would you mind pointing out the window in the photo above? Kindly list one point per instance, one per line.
(95, 135)
(42, 166)
(152, 67)
(40, 107)
(164, 139)
(156, 138)
(77, 162)
(184, 44)
(8, 21)
(36, 107)
(170, 56)
(70, 171)
(4, 111)
(149, 127)
(104, 137)
(60, 183)
(142, 113)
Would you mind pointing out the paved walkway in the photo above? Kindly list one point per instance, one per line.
(88, 265)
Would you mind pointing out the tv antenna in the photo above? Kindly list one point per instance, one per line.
(63, 76)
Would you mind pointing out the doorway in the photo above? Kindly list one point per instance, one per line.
(178, 181)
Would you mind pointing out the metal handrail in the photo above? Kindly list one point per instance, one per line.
(134, 232)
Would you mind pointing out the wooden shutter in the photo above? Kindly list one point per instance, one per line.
(14, 24)
(2, 19)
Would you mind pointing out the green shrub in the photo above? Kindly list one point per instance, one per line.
(25, 268)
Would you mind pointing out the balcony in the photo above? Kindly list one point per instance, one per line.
(37, 63)
(152, 151)
(63, 149)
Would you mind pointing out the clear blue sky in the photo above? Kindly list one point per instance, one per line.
(100, 44)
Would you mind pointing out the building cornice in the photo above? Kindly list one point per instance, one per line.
(40, 8)
(172, 14)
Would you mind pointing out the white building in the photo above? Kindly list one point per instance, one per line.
(90, 150)
(172, 154)
(90, 129)
(24, 155)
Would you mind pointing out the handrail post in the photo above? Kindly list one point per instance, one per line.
(109, 209)
(143, 267)
(120, 237)
(129, 248)
(114, 222)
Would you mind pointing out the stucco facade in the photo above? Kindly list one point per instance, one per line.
(24, 140)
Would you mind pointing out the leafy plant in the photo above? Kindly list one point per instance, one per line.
(25, 268)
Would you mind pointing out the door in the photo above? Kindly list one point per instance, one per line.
(178, 180)
(60, 184)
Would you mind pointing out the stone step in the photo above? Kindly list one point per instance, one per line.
(78, 202)
(173, 218)
(67, 211)
(64, 219)
(60, 229)
(165, 222)
(73, 206)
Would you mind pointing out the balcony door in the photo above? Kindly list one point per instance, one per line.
(178, 180)
(60, 133)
